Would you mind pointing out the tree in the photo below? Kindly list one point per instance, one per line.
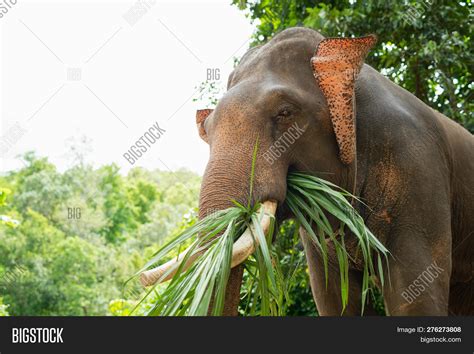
(54, 264)
(119, 210)
(424, 46)
(39, 186)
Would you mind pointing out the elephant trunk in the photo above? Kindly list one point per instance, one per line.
(228, 179)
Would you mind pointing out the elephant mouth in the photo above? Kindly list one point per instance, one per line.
(243, 247)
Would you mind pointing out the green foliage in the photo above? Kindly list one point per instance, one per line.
(190, 292)
(5, 219)
(310, 199)
(292, 271)
(40, 186)
(118, 211)
(53, 264)
(121, 307)
(3, 308)
(424, 48)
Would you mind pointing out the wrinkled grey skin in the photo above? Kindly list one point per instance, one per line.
(415, 171)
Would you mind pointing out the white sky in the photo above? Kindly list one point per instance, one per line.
(137, 74)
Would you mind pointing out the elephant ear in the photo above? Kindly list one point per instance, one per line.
(201, 116)
(336, 65)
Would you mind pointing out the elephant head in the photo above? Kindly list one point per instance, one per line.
(294, 94)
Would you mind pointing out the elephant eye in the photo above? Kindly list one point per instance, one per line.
(283, 115)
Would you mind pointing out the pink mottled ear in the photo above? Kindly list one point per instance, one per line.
(336, 64)
(201, 116)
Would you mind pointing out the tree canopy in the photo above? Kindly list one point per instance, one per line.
(82, 233)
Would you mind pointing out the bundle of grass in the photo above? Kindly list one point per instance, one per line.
(309, 197)
(198, 276)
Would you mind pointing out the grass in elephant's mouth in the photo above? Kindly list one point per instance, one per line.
(308, 197)
(191, 292)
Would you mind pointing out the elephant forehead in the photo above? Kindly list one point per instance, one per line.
(255, 96)
(287, 60)
(236, 103)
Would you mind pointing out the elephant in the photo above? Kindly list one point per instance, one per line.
(412, 167)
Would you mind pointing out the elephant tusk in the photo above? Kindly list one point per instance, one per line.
(241, 250)
(245, 244)
(167, 270)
